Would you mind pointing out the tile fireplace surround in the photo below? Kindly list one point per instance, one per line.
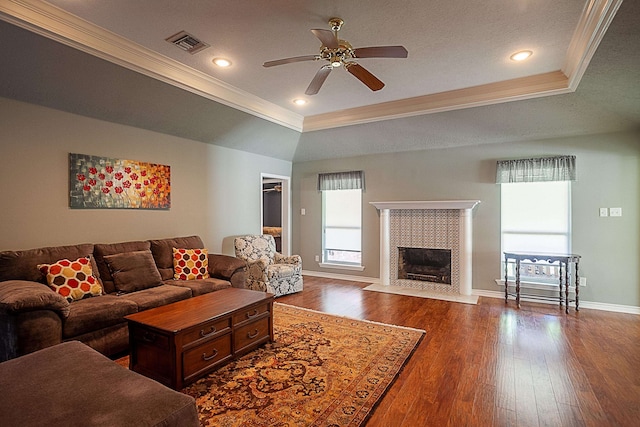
(427, 224)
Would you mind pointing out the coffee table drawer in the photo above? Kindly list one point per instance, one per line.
(247, 314)
(206, 330)
(206, 355)
(251, 333)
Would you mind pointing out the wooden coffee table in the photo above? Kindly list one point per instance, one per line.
(179, 343)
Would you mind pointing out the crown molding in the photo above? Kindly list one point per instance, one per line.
(552, 83)
(593, 24)
(52, 22)
(49, 21)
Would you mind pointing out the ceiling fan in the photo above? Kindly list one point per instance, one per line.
(338, 53)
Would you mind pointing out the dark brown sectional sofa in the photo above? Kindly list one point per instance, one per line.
(33, 316)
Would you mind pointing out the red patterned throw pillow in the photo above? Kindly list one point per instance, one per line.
(190, 264)
(74, 280)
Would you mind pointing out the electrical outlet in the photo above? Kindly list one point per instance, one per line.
(317, 258)
(303, 211)
(604, 212)
(583, 281)
(615, 211)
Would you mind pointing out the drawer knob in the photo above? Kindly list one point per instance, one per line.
(252, 314)
(212, 331)
(207, 358)
(251, 336)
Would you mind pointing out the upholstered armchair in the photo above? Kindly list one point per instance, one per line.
(268, 270)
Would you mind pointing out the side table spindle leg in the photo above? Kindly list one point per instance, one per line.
(518, 282)
(506, 281)
(566, 275)
(561, 295)
(577, 286)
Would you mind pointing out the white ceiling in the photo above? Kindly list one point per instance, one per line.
(458, 58)
(442, 57)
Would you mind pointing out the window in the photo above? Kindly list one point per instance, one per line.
(536, 217)
(342, 227)
(536, 212)
(342, 218)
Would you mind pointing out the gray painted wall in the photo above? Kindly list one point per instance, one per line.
(215, 192)
(608, 176)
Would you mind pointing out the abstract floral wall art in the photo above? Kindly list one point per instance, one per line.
(103, 183)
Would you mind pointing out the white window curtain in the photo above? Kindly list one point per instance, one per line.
(541, 169)
(353, 180)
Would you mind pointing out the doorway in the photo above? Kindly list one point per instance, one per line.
(276, 210)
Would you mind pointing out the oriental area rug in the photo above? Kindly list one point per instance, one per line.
(322, 370)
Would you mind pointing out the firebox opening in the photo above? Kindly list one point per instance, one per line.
(427, 265)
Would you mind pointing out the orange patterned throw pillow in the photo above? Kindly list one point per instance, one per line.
(74, 280)
(190, 264)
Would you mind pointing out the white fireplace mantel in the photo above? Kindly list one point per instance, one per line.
(464, 206)
(435, 204)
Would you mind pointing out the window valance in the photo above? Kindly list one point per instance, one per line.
(352, 180)
(558, 168)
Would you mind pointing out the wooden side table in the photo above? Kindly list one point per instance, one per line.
(565, 261)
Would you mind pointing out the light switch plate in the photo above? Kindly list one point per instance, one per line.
(604, 212)
(615, 211)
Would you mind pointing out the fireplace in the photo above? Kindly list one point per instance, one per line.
(425, 264)
(416, 225)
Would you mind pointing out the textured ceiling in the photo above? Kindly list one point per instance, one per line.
(447, 50)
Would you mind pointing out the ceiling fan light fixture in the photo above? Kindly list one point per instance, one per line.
(521, 55)
(300, 102)
(222, 62)
(338, 52)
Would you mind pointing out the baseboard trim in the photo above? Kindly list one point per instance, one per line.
(338, 276)
(616, 308)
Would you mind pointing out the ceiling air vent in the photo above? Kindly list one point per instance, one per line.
(187, 42)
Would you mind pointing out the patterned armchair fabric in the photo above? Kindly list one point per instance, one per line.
(268, 270)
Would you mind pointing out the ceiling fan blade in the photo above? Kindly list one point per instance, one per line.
(381, 52)
(290, 60)
(327, 38)
(318, 80)
(364, 76)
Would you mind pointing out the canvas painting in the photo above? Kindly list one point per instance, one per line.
(102, 183)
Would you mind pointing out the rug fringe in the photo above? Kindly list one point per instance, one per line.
(352, 318)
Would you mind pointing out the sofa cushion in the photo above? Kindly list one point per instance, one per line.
(91, 314)
(133, 271)
(200, 287)
(163, 252)
(279, 271)
(23, 265)
(155, 297)
(190, 264)
(74, 280)
(104, 249)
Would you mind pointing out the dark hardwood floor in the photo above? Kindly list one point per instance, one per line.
(492, 364)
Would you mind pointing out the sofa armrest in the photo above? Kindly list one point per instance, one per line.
(228, 268)
(293, 259)
(20, 296)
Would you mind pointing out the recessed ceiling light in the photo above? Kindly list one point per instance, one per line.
(222, 62)
(521, 56)
(300, 101)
